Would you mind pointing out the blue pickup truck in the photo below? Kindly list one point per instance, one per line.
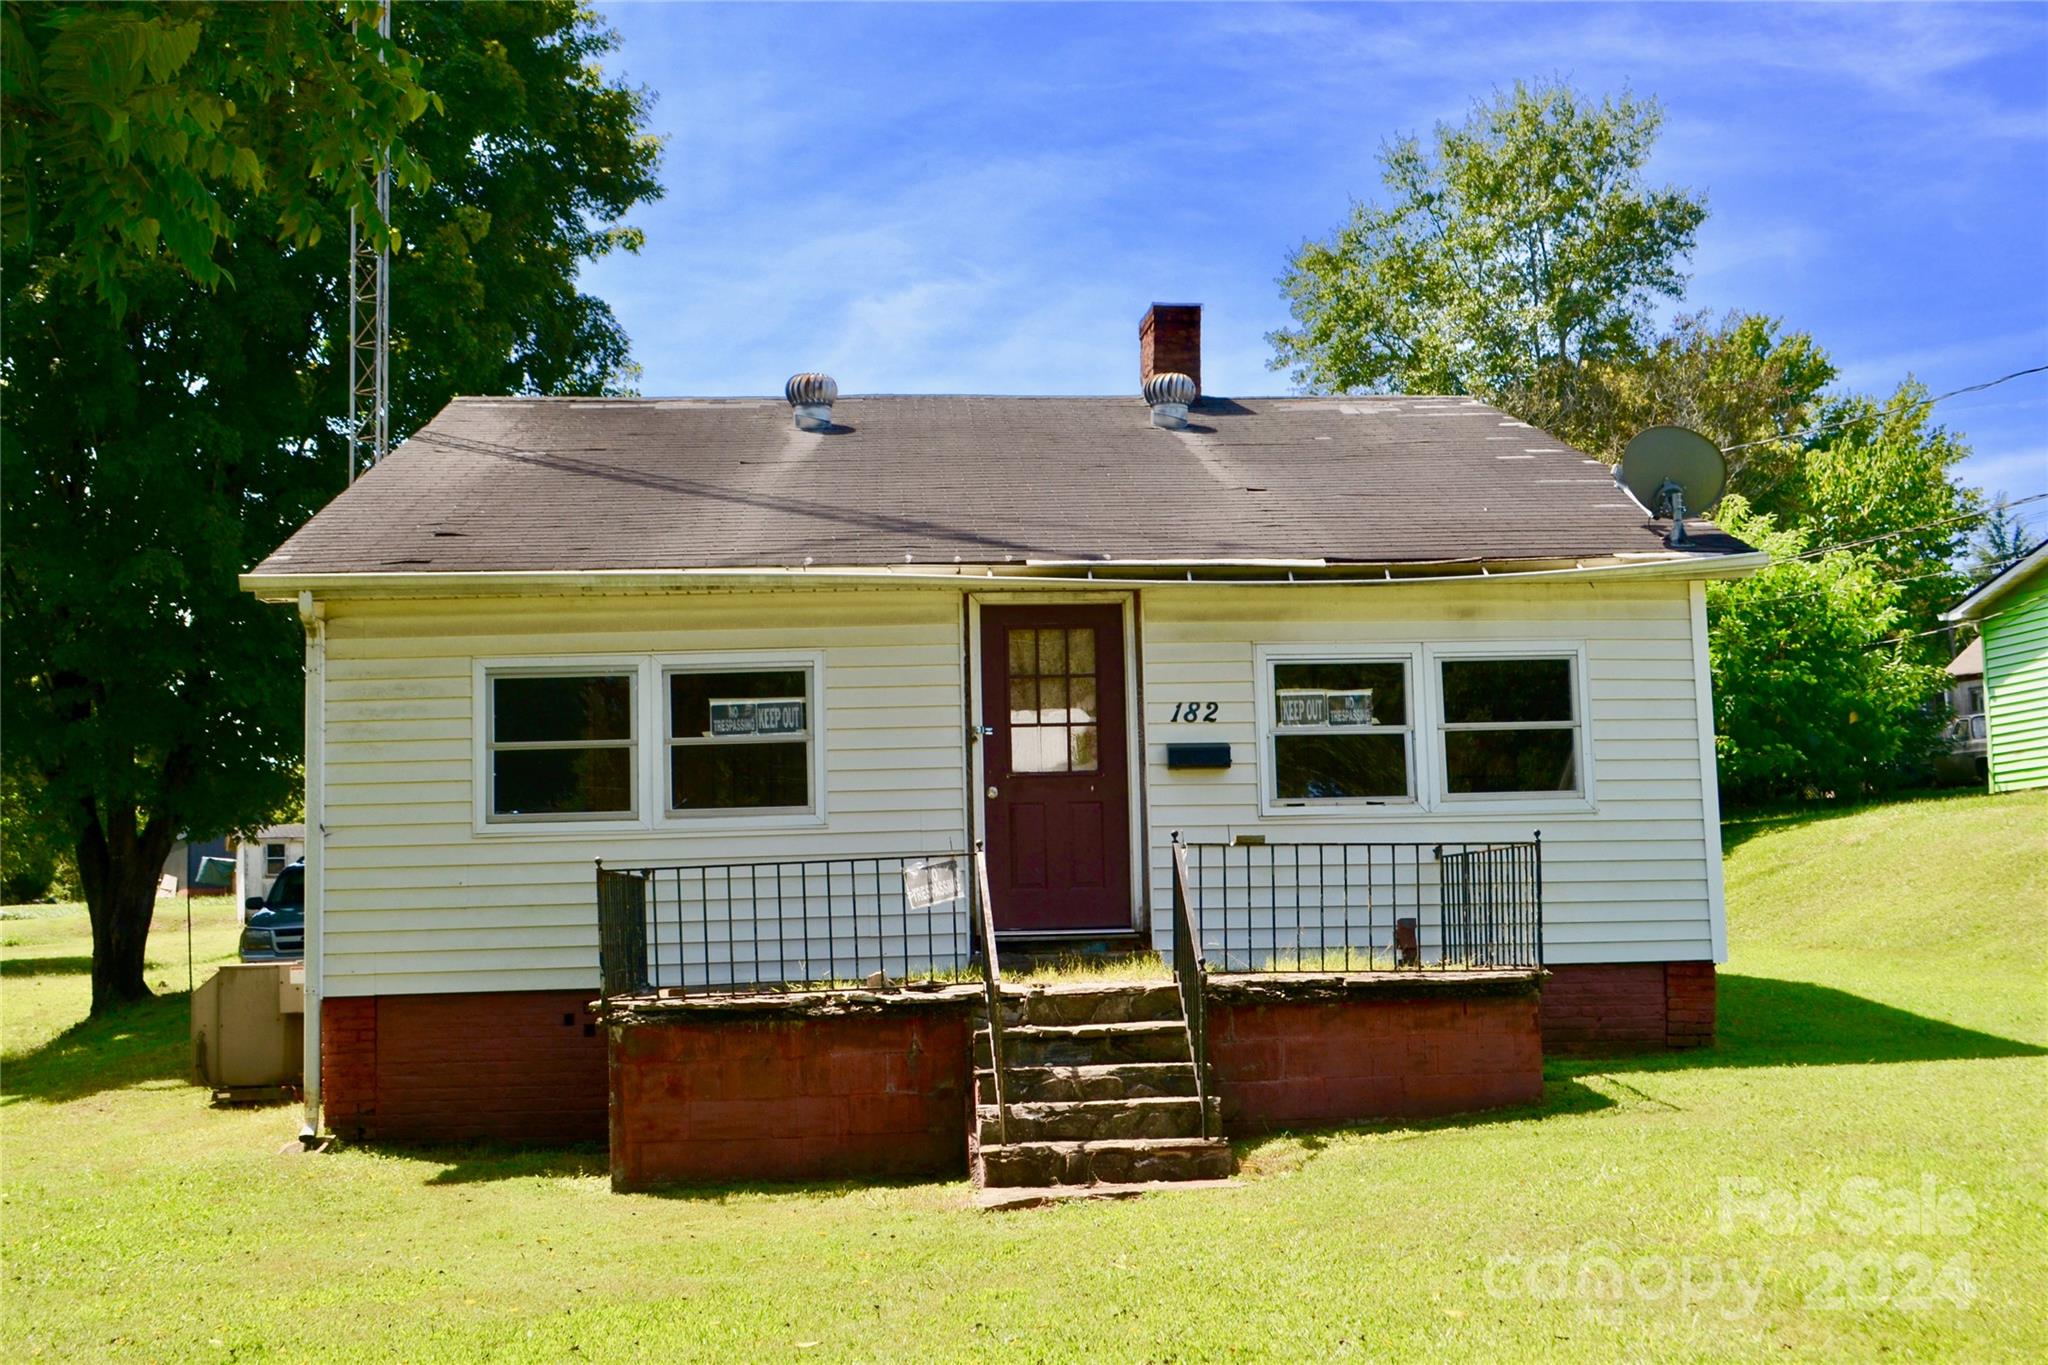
(276, 928)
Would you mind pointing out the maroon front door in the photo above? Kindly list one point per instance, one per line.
(1059, 833)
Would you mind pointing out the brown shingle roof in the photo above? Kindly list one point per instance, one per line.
(500, 484)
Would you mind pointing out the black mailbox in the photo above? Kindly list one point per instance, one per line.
(1198, 755)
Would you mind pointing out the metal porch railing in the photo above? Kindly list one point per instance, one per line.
(1356, 907)
(788, 924)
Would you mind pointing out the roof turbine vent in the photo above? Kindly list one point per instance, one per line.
(812, 396)
(1170, 395)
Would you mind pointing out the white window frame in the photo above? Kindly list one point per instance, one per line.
(632, 669)
(650, 749)
(811, 663)
(1574, 653)
(284, 857)
(1265, 657)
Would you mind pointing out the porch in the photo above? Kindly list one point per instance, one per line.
(852, 1017)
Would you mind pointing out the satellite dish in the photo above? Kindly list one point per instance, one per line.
(1674, 473)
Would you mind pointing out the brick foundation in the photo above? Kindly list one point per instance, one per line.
(1304, 1063)
(522, 1066)
(1592, 1009)
(721, 1098)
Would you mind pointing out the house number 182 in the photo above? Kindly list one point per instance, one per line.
(1195, 711)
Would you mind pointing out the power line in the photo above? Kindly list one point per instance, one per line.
(1880, 416)
(1818, 551)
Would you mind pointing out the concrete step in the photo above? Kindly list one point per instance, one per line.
(1177, 1116)
(1118, 1161)
(1116, 1081)
(1120, 1003)
(1160, 1040)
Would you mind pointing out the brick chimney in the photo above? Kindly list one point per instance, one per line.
(1170, 342)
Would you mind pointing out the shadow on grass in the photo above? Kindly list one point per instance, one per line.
(1765, 1021)
(45, 966)
(487, 1161)
(135, 1044)
(1562, 1095)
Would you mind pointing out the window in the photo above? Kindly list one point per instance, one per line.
(273, 859)
(1510, 725)
(561, 745)
(1340, 730)
(739, 740)
(1053, 715)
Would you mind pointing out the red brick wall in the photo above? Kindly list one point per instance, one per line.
(522, 1066)
(728, 1097)
(1304, 1063)
(1591, 1009)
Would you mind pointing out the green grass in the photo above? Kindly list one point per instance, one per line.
(1883, 1020)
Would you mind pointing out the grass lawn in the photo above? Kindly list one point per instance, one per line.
(1858, 1169)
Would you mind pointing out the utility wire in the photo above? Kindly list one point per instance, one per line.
(1820, 550)
(1881, 416)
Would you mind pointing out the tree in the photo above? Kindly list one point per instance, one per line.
(1742, 382)
(1525, 240)
(2001, 540)
(1812, 695)
(131, 128)
(159, 438)
(1877, 475)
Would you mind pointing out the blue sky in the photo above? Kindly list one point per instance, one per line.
(981, 198)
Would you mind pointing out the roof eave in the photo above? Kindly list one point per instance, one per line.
(1972, 607)
(286, 587)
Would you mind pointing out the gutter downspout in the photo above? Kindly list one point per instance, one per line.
(312, 615)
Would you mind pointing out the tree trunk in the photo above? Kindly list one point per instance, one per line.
(118, 867)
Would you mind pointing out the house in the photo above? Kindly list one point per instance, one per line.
(1964, 761)
(784, 659)
(2010, 611)
(260, 859)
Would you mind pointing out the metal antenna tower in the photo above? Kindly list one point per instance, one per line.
(369, 316)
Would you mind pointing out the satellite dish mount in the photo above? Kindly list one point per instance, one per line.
(1673, 473)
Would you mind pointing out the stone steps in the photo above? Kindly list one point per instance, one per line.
(1152, 1040)
(1175, 1116)
(1101, 1093)
(1092, 1004)
(1119, 1161)
(1114, 1081)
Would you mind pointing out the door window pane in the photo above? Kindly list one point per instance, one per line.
(1054, 698)
(1082, 751)
(1038, 749)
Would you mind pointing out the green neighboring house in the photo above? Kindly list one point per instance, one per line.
(2012, 612)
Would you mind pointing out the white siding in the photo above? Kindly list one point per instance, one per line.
(417, 899)
(1627, 880)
